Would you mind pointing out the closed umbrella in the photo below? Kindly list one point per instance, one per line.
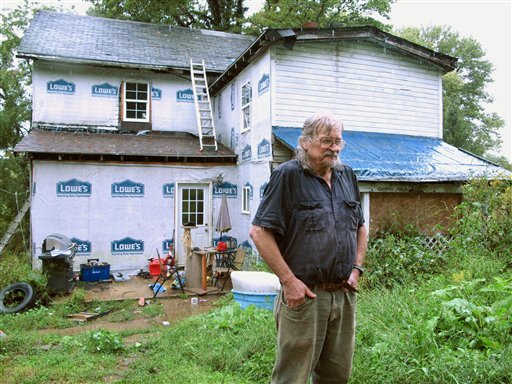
(223, 221)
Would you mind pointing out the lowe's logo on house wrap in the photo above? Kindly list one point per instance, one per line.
(264, 148)
(60, 86)
(74, 187)
(104, 90)
(168, 190)
(156, 93)
(83, 247)
(264, 84)
(127, 188)
(127, 246)
(230, 190)
(167, 245)
(185, 96)
(247, 152)
(233, 95)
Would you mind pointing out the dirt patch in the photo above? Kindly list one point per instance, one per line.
(175, 309)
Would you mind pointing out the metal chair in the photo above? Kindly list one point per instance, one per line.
(227, 265)
(168, 269)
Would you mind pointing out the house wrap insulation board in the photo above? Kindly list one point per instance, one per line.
(121, 214)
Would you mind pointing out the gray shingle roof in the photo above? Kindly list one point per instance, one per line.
(85, 39)
(154, 146)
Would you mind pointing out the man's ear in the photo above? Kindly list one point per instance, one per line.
(304, 143)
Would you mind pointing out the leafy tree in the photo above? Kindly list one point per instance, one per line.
(221, 15)
(15, 114)
(15, 103)
(325, 13)
(466, 124)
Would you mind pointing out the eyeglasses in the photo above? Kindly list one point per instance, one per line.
(327, 142)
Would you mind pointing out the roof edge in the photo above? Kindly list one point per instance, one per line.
(262, 42)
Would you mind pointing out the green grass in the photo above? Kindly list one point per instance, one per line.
(404, 334)
(422, 318)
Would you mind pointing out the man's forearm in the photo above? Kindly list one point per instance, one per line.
(269, 251)
(362, 244)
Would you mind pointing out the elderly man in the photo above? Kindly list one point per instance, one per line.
(309, 230)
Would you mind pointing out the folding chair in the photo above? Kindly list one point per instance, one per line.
(229, 265)
(167, 273)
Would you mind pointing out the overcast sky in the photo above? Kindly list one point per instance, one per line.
(488, 21)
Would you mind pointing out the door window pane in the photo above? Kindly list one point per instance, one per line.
(192, 206)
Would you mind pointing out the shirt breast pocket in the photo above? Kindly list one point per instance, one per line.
(351, 214)
(310, 216)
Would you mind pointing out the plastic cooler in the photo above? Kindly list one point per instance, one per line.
(255, 288)
(94, 271)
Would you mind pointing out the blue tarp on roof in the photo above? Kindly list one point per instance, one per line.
(391, 157)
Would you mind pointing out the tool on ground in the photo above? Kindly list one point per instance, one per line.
(168, 268)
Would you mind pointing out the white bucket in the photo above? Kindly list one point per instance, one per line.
(255, 282)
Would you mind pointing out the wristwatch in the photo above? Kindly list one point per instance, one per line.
(359, 268)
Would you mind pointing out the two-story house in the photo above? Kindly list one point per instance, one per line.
(117, 163)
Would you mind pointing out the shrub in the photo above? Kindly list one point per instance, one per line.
(484, 218)
(398, 258)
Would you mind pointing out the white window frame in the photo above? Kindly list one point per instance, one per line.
(246, 199)
(136, 100)
(246, 106)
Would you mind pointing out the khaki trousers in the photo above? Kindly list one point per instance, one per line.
(315, 339)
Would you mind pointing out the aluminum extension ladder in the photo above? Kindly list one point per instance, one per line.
(11, 230)
(204, 114)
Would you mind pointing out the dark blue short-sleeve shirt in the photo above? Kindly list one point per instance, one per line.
(315, 226)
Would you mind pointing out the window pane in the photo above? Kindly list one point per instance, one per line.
(131, 86)
(143, 87)
(131, 95)
(246, 93)
(247, 117)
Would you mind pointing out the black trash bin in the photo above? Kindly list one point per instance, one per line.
(57, 256)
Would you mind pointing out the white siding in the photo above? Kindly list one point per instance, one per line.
(368, 87)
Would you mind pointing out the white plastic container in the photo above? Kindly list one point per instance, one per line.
(255, 282)
(255, 288)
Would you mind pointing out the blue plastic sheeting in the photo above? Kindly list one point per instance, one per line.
(390, 157)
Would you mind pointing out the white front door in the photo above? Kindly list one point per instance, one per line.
(193, 208)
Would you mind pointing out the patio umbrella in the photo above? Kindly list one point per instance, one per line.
(223, 221)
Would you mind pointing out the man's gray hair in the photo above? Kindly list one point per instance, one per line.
(323, 122)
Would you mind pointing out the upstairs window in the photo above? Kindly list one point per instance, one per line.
(246, 106)
(246, 198)
(136, 102)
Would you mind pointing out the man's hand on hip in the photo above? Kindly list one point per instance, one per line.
(295, 292)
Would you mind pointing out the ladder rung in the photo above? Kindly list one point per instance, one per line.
(203, 105)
